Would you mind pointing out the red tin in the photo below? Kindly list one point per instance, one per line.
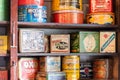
(31, 2)
(100, 6)
(68, 16)
(3, 75)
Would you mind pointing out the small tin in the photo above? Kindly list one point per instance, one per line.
(100, 6)
(60, 43)
(71, 64)
(68, 16)
(50, 64)
(101, 18)
(66, 5)
(107, 42)
(32, 13)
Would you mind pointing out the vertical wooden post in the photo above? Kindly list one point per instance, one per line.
(13, 40)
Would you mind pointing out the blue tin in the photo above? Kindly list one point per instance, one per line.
(32, 13)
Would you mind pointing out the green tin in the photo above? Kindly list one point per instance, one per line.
(4, 10)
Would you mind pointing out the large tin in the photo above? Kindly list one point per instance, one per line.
(102, 69)
(28, 68)
(71, 63)
(60, 43)
(31, 40)
(66, 5)
(32, 13)
(31, 2)
(86, 70)
(56, 76)
(50, 64)
(107, 41)
(100, 6)
(101, 18)
(4, 10)
(68, 16)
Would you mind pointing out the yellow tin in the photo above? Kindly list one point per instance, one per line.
(66, 5)
(101, 18)
(71, 64)
(72, 76)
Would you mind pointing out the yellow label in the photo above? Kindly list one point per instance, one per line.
(3, 44)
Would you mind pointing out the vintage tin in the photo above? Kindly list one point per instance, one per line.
(100, 6)
(32, 13)
(4, 10)
(86, 70)
(3, 75)
(71, 63)
(56, 76)
(60, 43)
(72, 76)
(102, 69)
(3, 44)
(66, 5)
(28, 68)
(68, 16)
(41, 76)
(101, 18)
(31, 40)
(107, 41)
(50, 64)
(31, 2)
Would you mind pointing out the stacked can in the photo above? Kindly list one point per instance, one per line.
(67, 11)
(32, 11)
(101, 12)
(70, 65)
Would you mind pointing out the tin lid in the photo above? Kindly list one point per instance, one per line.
(102, 13)
(68, 11)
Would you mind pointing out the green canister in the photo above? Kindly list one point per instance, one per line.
(4, 10)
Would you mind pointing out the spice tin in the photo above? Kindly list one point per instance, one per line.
(68, 16)
(56, 76)
(101, 18)
(3, 75)
(72, 76)
(4, 10)
(31, 40)
(107, 41)
(32, 13)
(50, 64)
(41, 76)
(31, 2)
(60, 43)
(86, 70)
(66, 5)
(28, 68)
(100, 6)
(102, 69)
(71, 64)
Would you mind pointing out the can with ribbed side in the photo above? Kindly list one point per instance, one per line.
(32, 13)
(66, 5)
(4, 10)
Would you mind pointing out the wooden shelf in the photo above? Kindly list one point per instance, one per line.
(4, 55)
(64, 26)
(4, 23)
(63, 54)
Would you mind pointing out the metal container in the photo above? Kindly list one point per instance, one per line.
(72, 76)
(32, 13)
(66, 5)
(3, 74)
(100, 6)
(41, 76)
(68, 16)
(101, 18)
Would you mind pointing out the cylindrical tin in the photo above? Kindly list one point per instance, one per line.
(28, 68)
(100, 6)
(4, 10)
(101, 18)
(32, 13)
(66, 5)
(31, 2)
(71, 64)
(102, 69)
(68, 16)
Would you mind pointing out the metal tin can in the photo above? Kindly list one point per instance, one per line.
(100, 6)
(101, 18)
(66, 5)
(4, 10)
(72, 76)
(31, 2)
(32, 13)
(68, 16)
(71, 64)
